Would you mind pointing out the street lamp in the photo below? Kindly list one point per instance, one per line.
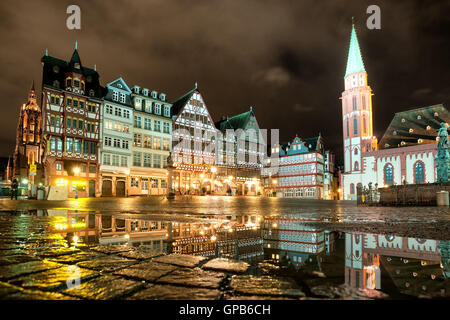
(76, 170)
(213, 169)
(127, 172)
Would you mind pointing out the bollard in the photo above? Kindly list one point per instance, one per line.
(442, 198)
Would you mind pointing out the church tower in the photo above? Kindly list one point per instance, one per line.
(356, 109)
(28, 152)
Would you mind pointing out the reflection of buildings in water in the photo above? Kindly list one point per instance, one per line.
(413, 264)
(74, 223)
(238, 239)
(288, 238)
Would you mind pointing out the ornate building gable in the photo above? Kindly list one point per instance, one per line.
(119, 92)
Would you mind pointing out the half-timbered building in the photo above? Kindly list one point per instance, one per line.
(71, 103)
(194, 144)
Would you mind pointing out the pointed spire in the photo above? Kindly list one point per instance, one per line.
(355, 62)
(76, 45)
(195, 84)
(32, 86)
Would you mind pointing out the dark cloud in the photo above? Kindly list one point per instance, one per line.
(285, 58)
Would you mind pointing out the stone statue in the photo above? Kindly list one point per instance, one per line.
(442, 156)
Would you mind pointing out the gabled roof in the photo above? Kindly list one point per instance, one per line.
(120, 84)
(354, 62)
(178, 105)
(236, 122)
(306, 146)
(416, 126)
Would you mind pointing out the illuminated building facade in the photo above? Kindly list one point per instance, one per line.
(71, 103)
(194, 144)
(405, 154)
(152, 142)
(29, 148)
(300, 169)
(239, 155)
(116, 137)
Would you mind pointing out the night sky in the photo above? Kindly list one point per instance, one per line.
(287, 59)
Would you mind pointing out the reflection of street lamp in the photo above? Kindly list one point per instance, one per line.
(76, 170)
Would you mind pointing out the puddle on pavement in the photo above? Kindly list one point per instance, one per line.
(327, 263)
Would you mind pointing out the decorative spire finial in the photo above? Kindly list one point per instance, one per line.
(353, 21)
(251, 108)
(95, 67)
(195, 84)
(76, 45)
(46, 51)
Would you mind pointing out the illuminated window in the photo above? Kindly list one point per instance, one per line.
(388, 175)
(419, 172)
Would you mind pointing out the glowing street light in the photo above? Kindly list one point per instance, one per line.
(274, 181)
(213, 169)
(76, 170)
(127, 172)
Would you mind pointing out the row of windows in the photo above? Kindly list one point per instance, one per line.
(115, 96)
(148, 124)
(388, 175)
(301, 158)
(355, 126)
(154, 94)
(115, 160)
(92, 169)
(75, 123)
(298, 180)
(117, 126)
(116, 143)
(151, 142)
(77, 83)
(148, 160)
(73, 145)
(144, 186)
(299, 168)
(149, 106)
(118, 112)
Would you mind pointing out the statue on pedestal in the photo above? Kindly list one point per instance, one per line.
(442, 156)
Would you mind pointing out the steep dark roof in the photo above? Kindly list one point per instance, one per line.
(407, 127)
(181, 102)
(236, 122)
(49, 75)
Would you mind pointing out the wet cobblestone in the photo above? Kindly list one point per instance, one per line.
(36, 265)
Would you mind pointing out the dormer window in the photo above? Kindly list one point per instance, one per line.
(122, 97)
(157, 108)
(76, 65)
(428, 128)
(91, 92)
(69, 82)
(145, 92)
(76, 83)
(56, 84)
(82, 85)
(162, 97)
(154, 94)
(115, 96)
(136, 89)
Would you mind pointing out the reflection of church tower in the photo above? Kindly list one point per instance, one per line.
(356, 109)
(444, 250)
(28, 141)
(362, 269)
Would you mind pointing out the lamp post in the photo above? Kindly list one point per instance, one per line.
(169, 167)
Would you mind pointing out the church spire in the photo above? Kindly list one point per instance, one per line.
(355, 62)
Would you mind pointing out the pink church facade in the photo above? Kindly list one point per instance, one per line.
(407, 150)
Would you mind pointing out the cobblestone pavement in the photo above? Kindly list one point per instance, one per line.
(37, 265)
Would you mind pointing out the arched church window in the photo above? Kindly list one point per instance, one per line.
(356, 166)
(354, 103)
(419, 173)
(388, 175)
(359, 186)
(352, 188)
(356, 151)
(364, 125)
(348, 129)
